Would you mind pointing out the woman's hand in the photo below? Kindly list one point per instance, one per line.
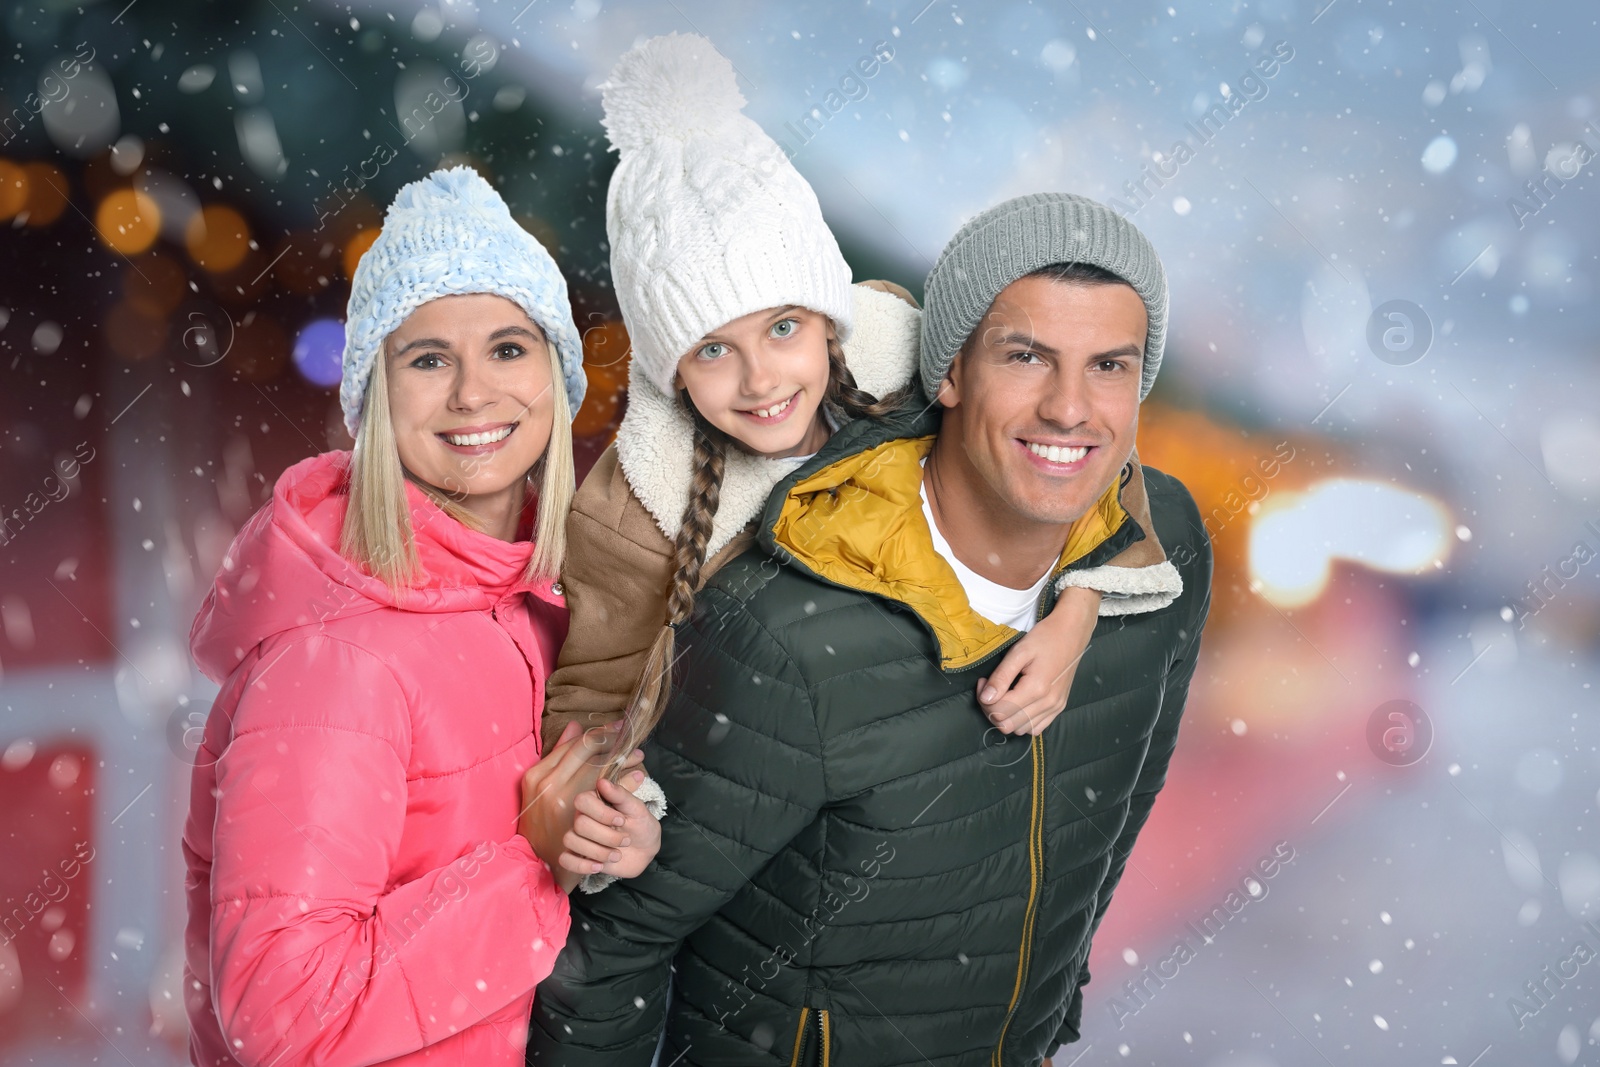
(614, 832)
(1029, 688)
(550, 789)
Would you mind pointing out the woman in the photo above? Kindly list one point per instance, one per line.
(367, 883)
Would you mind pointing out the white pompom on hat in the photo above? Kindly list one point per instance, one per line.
(707, 218)
(451, 234)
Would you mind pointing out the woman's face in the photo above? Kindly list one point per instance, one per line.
(761, 379)
(470, 396)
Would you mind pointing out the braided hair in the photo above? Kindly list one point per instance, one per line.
(689, 545)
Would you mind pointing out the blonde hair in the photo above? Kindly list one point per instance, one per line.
(711, 445)
(377, 520)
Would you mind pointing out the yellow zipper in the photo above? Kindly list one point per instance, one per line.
(1035, 867)
(800, 1036)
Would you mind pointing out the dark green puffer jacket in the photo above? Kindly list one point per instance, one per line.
(855, 867)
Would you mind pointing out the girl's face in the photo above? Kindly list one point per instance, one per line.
(761, 379)
(470, 397)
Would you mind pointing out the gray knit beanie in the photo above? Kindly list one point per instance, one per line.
(1018, 237)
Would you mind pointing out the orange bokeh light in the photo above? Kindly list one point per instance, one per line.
(218, 238)
(13, 188)
(47, 194)
(129, 221)
(598, 410)
(605, 362)
(356, 249)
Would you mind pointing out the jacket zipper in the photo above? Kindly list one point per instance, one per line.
(1035, 873)
(824, 1039)
(1036, 858)
(800, 1037)
(1035, 822)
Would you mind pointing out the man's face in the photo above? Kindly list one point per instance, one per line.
(1044, 399)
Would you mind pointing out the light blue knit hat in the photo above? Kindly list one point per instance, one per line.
(445, 235)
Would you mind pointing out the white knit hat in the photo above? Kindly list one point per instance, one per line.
(708, 220)
(445, 235)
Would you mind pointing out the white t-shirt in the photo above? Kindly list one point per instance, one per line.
(997, 603)
(790, 464)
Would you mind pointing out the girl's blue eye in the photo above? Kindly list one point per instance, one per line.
(784, 328)
(714, 350)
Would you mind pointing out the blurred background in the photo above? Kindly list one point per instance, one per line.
(1378, 842)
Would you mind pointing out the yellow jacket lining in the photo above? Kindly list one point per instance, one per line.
(881, 544)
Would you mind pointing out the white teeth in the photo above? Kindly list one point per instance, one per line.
(776, 409)
(468, 439)
(1056, 453)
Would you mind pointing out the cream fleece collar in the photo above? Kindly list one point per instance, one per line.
(655, 443)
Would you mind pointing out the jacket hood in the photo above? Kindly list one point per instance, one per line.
(655, 444)
(284, 570)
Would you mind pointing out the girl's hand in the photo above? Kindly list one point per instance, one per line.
(1029, 688)
(550, 789)
(614, 832)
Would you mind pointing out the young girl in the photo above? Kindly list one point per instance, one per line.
(378, 857)
(750, 346)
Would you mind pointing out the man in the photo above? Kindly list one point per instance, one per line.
(855, 867)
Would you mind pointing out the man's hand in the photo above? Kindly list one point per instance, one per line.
(614, 832)
(1041, 667)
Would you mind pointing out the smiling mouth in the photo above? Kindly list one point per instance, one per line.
(487, 437)
(774, 410)
(1057, 453)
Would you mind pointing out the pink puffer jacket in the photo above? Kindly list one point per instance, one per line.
(358, 893)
